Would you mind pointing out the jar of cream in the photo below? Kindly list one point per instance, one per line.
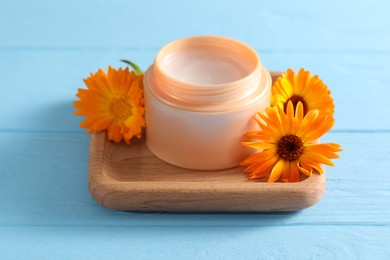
(201, 96)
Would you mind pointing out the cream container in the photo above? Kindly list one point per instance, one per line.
(201, 96)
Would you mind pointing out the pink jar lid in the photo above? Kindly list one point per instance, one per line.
(206, 70)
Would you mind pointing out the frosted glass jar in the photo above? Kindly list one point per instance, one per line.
(201, 95)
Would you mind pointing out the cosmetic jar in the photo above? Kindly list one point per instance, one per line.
(201, 96)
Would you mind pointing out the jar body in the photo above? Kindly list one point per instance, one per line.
(202, 136)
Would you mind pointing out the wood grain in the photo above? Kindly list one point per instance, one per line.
(265, 27)
(131, 178)
(348, 75)
(46, 49)
(54, 179)
(201, 242)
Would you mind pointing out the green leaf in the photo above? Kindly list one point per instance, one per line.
(135, 67)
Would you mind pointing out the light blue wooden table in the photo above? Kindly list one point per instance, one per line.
(47, 47)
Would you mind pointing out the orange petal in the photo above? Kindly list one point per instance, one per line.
(294, 172)
(328, 150)
(260, 157)
(259, 145)
(276, 171)
(305, 169)
(318, 158)
(286, 173)
(263, 166)
(315, 165)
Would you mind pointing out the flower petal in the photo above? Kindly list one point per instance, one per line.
(112, 102)
(305, 169)
(294, 172)
(286, 173)
(259, 145)
(276, 171)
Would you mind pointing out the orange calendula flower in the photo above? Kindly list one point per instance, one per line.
(288, 144)
(113, 102)
(311, 91)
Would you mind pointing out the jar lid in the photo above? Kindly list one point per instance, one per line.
(206, 71)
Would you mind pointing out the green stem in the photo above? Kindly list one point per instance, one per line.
(135, 67)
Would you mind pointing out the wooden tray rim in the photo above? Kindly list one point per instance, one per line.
(106, 190)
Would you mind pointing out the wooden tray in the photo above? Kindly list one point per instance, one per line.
(131, 178)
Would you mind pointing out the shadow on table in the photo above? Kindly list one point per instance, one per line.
(59, 116)
(217, 218)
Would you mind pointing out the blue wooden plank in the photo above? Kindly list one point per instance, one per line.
(329, 242)
(43, 181)
(276, 25)
(40, 86)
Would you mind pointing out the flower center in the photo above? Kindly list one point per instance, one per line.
(295, 99)
(290, 147)
(121, 109)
